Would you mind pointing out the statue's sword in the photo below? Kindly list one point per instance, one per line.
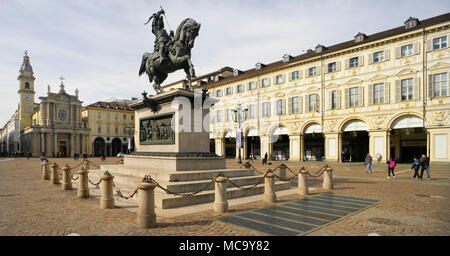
(166, 18)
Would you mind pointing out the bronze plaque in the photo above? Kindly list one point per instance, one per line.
(156, 130)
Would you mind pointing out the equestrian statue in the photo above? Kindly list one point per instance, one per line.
(171, 52)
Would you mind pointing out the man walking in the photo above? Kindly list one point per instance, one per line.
(368, 163)
(425, 165)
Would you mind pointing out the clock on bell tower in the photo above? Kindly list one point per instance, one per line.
(26, 93)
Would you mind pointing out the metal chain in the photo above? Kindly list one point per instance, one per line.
(78, 176)
(126, 197)
(190, 194)
(95, 184)
(242, 188)
(93, 164)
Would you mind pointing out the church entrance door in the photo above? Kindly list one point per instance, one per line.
(62, 148)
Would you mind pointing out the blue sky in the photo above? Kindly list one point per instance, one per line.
(97, 45)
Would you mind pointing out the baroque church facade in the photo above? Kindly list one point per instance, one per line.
(54, 126)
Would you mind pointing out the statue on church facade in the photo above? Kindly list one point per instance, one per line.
(171, 52)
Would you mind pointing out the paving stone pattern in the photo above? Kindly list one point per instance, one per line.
(32, 206)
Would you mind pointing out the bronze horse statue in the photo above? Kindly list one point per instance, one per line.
(171, 52)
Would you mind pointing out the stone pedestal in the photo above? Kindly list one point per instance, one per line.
(45, 173)
(269, 188)
(66, 178)
(327, 179)
(302, 187)
(83, 190)
(54, 178)
(146, 217)
(174, 135)
(220, 196)
(106, 187)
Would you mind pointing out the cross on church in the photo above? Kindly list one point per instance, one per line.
(62, 78)
(26, 52)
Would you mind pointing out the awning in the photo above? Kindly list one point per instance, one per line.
(230, 134)
(355, 125)
(313, 128)
(253, 132)
(280, 130)
(407, 122)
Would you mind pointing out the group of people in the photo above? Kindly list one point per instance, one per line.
(422, 163)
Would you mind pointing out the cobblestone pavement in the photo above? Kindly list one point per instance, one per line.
(31, 206)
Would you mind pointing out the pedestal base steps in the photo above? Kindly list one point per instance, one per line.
(127, 179)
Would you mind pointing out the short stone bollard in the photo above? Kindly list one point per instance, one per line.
(66, 178)
(45, 173)
(121, 161)
(106, 187)
(302, 187)
(86, 165)
(282, 171)
(146, 217)
(327, 179)
(83, 190)
(54, 178)
(269, 187)
(220, 195)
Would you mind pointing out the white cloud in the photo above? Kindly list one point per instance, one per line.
(97, 45)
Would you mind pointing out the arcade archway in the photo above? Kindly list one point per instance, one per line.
(313, 143)
(99, 147)
(408, 139)
(280, 143)
(355, 141)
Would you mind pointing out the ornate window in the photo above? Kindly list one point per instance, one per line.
(406, 87)
(407, 50)
(378, 93)
(440, 85)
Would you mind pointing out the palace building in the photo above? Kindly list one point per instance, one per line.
(386, 94)
(111, 127)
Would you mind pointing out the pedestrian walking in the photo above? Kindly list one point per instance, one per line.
(391, 165)
(416, 166)
(425, 165)
(368, 163)
(265, 159)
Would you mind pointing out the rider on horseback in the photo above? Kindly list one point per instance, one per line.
(162, 38)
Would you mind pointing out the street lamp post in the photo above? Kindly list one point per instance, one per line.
(239, 116)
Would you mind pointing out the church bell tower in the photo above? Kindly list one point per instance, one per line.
(26, 93)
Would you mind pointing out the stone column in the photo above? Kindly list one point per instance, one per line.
(45, 174)
(55, 143)
(340, 147)
(146, 217)
(294, 150)
(244, 149)
(302, 186)
(269, 187)
(54, 178)
(72, 144)
(302, 148)
(66, 178)
(106, 186)
(83, 190)
(220, 196)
